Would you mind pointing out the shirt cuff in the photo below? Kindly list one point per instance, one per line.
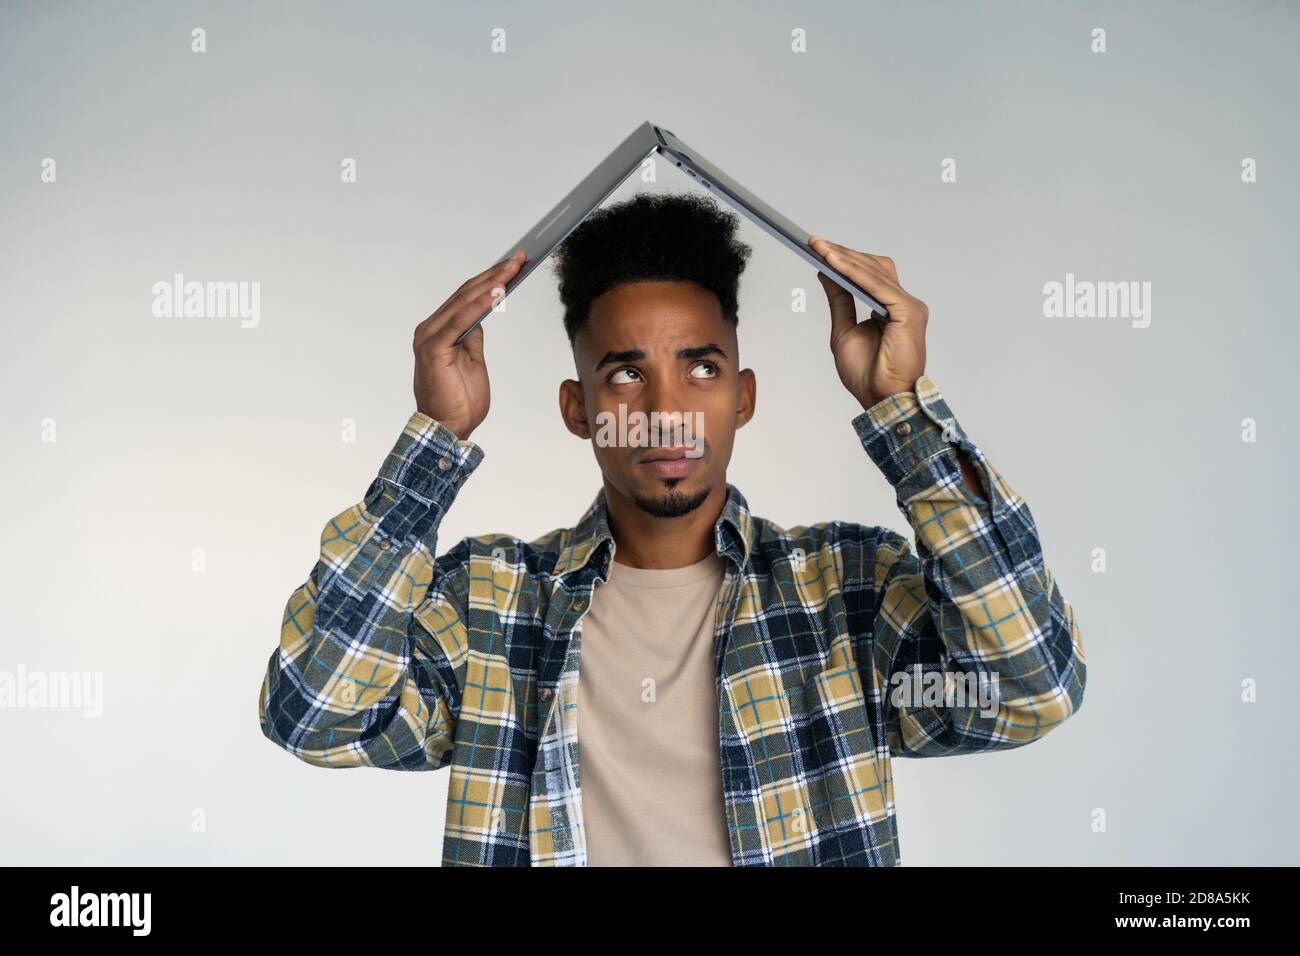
(424, 471)
(911, 437)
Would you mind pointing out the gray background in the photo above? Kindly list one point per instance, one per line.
(177, 434)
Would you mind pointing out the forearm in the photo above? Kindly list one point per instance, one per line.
(350, 683)
(977, 598)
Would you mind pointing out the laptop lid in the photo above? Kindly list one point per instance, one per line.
(749, 205)
(647, 140)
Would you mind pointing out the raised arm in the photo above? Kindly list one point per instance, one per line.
(974, 608)
(358, 680)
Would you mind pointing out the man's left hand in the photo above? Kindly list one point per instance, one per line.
(878, 358)
(875, 358)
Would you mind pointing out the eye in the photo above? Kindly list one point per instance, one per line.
(626, 368)
(711, 365)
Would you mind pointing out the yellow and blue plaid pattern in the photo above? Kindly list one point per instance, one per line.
(391, 657)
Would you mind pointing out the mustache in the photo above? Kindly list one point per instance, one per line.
(639, 430)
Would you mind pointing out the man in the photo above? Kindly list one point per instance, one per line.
(742, 687)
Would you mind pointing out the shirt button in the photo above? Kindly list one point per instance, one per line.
(580, 605)
(385, 545)
(544, 693)
(444, 463)
(903, 428)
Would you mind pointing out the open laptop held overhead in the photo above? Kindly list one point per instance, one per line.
(649, 140)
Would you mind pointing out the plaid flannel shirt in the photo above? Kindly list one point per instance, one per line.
(391, 657)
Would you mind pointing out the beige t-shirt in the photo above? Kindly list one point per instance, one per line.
(650, 765)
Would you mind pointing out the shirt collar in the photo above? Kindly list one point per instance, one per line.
(591, 538)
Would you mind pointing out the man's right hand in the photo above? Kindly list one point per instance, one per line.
(451, 381)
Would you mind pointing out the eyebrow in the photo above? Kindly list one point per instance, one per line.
(635, 355)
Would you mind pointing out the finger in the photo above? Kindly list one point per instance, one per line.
(863, 270)
(473, 344)
(467, 292)
(473, 288)
(882, 264)
(487, 273)
(844, 311)
(470, 297)
(456, 321)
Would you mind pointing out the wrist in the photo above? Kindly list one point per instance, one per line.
(872, 399)
(458, 430)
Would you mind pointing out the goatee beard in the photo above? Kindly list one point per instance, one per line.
(673, 503)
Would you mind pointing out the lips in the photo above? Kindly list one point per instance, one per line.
(664, 454)
(669, 463)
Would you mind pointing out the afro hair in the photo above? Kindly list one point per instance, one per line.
(673, 237)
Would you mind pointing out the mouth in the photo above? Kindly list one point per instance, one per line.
(668, 462)
(663, 454)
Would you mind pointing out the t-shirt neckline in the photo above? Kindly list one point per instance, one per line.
(707, 567)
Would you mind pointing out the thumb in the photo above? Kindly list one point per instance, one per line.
(473, 343)
(844, 313)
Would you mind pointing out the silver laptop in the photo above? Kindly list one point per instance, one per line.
(648, 140)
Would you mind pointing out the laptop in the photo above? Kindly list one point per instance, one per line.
(650, 140)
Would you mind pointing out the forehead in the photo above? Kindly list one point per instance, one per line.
(653, 316)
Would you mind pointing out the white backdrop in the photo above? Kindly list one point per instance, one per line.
(171, 435)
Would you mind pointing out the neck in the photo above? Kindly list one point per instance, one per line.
(645, 541)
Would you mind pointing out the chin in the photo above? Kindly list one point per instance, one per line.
(672, 497)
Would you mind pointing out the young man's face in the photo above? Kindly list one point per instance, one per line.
(659, 347)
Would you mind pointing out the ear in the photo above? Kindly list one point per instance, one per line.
(572, 409)
(748, 395)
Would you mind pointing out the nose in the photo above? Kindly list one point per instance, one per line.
(670, 426)
(667, 418)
